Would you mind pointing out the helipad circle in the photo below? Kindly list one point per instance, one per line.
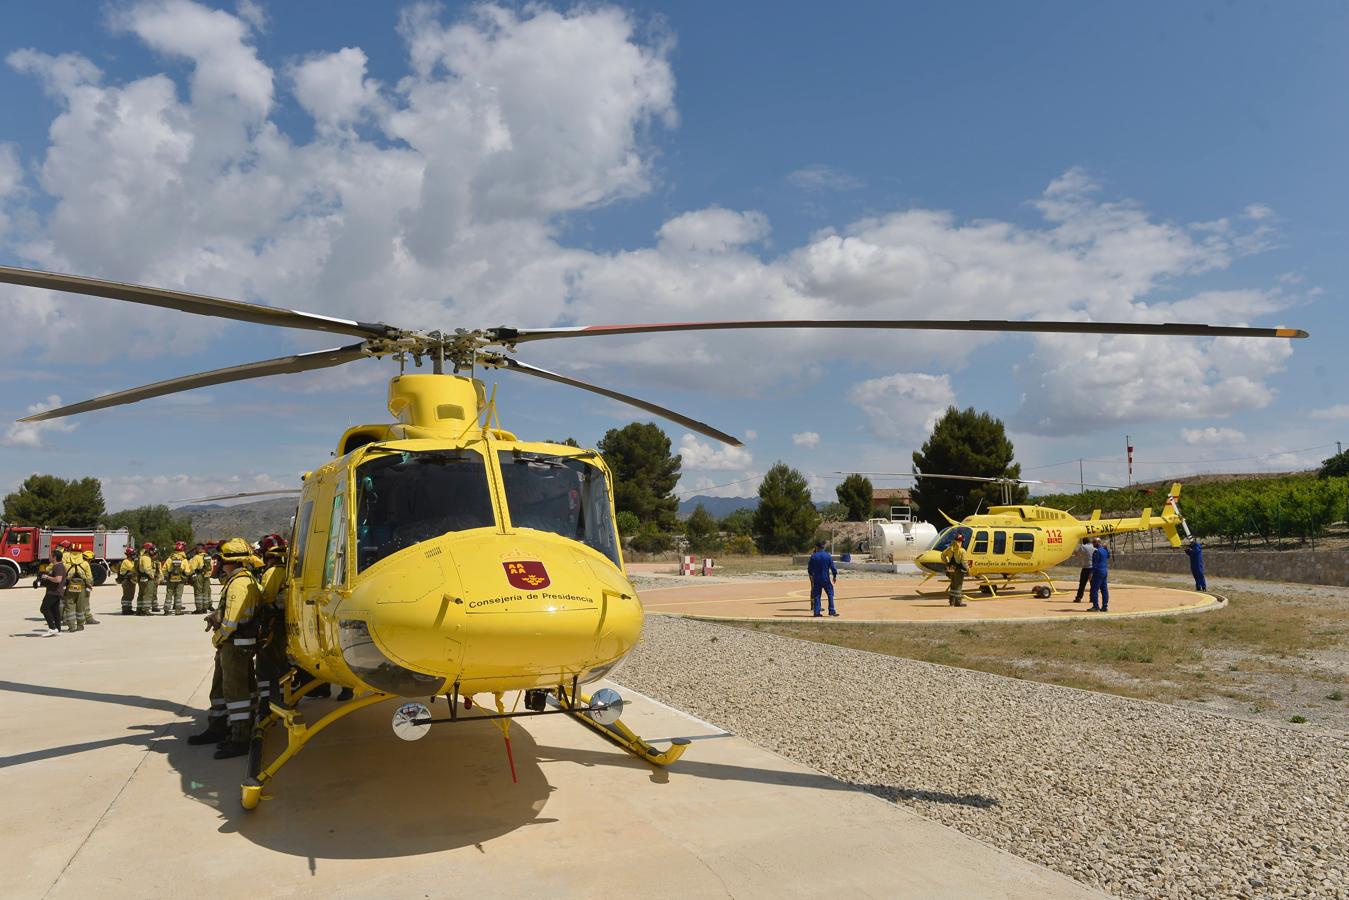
(905, 599)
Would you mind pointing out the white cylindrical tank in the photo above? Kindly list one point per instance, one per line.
(899, 540)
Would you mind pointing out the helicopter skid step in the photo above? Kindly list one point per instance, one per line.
(999, 585)
(298, 733)
(621, 735)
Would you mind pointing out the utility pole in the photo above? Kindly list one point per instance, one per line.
(1081, 479)
(1129, 454)
(1338, 448)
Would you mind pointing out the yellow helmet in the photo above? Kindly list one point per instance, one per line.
(88, 554)
(235, 550)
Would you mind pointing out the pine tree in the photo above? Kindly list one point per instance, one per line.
(786, 518)
(855, 494)
(964, 442)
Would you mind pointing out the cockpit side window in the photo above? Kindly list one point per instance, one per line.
(405, 498)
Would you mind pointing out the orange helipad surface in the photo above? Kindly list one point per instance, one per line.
(898, 600)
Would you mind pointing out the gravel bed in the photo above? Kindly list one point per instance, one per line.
(1137, 799)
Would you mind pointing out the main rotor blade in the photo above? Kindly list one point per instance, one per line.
(238, 496)
(193, 303)
(522, 335)
(691, 424)
(300, 362)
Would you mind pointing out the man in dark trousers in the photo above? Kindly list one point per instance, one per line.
(1195, 551)
(54, 580)
(823, 573)
(1100, 576)
(1082, 554)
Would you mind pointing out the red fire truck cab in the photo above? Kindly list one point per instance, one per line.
(25, 549)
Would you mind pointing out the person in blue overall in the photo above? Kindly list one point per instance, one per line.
(1195, 551)
(1100, 575)
(823, 573)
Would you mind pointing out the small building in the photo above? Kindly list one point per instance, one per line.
(884, 498)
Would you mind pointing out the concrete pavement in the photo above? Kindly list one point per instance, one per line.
(104, 798)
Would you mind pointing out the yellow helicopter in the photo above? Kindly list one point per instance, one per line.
(440, 555)
(1017, 543)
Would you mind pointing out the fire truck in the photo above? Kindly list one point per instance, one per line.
(26, 549)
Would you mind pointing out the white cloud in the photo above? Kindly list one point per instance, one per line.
(446, 203)
(906, 404)
(226, 70)
(808, 439)
(11, 171)
(333, 89)
(733, 484)
(1338, 411)
(824, 178)
(124, 491)
(698, 455)
(29, 434)
(1211, 436)
(712, 231)
(751, 434)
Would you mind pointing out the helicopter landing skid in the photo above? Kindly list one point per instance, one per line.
(298, 733)
(619, 733)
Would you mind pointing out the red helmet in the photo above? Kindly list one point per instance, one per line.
(130, 550)
(147, 546)
(64, 545)
(180, 545)
(272, 545)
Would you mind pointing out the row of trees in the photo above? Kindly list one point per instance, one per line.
(645, 470)
(50, 501)
(1292, 506)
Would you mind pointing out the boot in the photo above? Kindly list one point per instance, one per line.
(231, 749)
(91, 621)
(346, 694)
(180, 612)
(212, 735)
(322, 693)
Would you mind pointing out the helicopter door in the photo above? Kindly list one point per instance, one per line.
(1023, 543)
(980, 542)
(999, 543)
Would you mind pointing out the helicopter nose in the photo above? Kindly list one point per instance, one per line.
(539, 614)
(932, 562)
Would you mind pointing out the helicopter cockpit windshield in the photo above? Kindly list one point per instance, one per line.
(406, 498)
(946, 537)
(563, 495)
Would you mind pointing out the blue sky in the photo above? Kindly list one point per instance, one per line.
(468, 165)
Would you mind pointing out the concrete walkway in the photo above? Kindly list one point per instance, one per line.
(104, 799)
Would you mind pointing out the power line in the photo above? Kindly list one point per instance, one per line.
(1181, 462)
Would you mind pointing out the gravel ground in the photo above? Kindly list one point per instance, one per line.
(1138, 799)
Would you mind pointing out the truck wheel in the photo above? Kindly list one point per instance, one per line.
(8, 577)
(100, 572)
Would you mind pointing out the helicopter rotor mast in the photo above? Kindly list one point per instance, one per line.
(467, 348)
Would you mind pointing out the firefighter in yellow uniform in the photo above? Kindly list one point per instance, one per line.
(70, 600)
(126, 577)
(271, 661)
(200, 570)
(83, 611)
(957, 567)
(175, 571)
(237, 639)
(147, 576)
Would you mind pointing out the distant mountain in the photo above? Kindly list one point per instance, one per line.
(717, 507)
(213, 522)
